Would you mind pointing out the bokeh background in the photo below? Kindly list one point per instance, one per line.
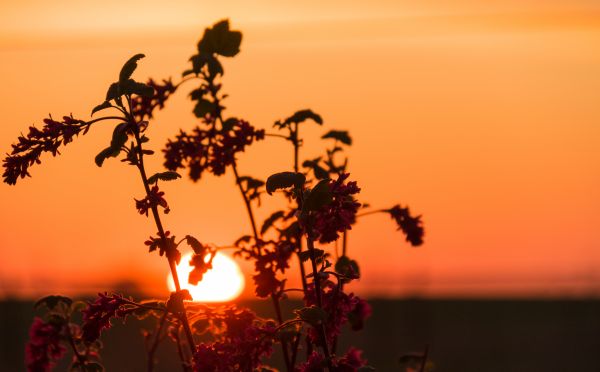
(482, 116)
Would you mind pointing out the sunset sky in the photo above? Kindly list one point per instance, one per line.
(484, 117)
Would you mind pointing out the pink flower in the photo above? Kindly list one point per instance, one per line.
(411, 226)
(29, 148)
(97, 315)
(153, 199)
(43, 349)
(339, 215)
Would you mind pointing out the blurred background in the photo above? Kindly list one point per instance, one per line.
(483, 117)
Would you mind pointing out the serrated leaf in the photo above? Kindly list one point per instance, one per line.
(229, 124)
(220, 40)
(103, 155)
(271, 220)
(131, 86)
(313, 315)
(203, 107)
(113, 92)
(129, 67)
(347, 267)
(318, 170)
(195, 244)
(284, 180)
(319, 196)
(340, 135)
(102, 106)
(305, 255)
(52, 301)
(164, 176)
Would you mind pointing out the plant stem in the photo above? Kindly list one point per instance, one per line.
(154, 346)
(317, 282)
(257, 238)
(163, 238)
(424, 361)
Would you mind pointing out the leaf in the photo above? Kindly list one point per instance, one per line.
(106, 153)
(305, 255)
(113, 92)
(203, 107)
(52, 301)
(102, 106)
(131, 86)
(164, 176)
(270, 220)
(313, 315)
(129, 67)
(340, 135)
(301, 116)
(119, 138)
(347, 267)
(220, 40)
(319, 196)
(319, 171)
(195, 244)
(229, 124)
(284, 180)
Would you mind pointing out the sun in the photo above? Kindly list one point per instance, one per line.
(224, 282)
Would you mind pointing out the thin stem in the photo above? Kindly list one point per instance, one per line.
(370, 212)
(424, 361)
(246, 201)
(277, 135)
(163, 238)
(154, 346)
(317, 282)
(80, 357)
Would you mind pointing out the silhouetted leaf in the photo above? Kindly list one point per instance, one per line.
(220, 40)
(129, 67)
(203, 107)
(164, 176)
(340, 135)
(305, 255)
(347, 267)
(313, 315)
(229, 124)
(103, 155)
(270, 220)
(299, 117)
(52, 301)
(131, 86)
(113, 91)
(318, 170)
(316, 198)
(284, 180)
(102, 106)
(195, 244)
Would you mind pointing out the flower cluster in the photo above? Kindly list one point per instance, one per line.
(350, 362)
(242, 346)
(142, 107)
(269, 257)
(411, 226)
(44, 348)
(152, 200)
(209, 148)
(339, 306)
(339, 215)
(97, 315)
(29, 148)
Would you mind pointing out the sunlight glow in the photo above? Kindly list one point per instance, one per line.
(223, 283)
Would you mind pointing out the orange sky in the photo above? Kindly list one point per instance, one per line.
(485, 119)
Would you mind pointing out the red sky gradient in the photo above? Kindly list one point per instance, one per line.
(484, 118)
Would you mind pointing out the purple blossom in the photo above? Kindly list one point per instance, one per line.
(339, 215)
(29, 148)
(209, 149)
(97, 315)
(44, 349)
(411, 226)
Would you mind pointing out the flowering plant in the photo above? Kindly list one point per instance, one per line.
(322, 205)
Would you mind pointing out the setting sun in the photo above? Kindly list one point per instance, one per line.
(224, 282)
